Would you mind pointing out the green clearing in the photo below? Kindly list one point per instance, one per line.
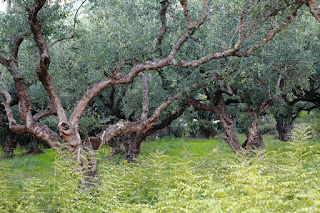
(172, 175)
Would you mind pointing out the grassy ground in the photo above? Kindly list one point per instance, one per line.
(41, 165)
(172, 175)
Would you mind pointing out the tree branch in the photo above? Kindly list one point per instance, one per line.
(184, 4)
(74, 27)
(191, 28)
(145, 102)
(269, 36)
(241, 31)
(49, 111)
(202, 106)
(139, 126)
(15, 42)
(4, 61)
(42, 69)
(164, 25)
(13, 124)
(117, 78)
(314, 8)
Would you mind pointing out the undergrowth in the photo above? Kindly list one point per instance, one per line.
(285, 179)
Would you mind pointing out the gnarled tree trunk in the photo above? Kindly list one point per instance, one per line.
(229, 131)
(254, 138)
(132, 145)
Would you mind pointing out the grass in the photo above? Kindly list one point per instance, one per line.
(32, 164)
(40, 165)
(172, 175)
(176, 146)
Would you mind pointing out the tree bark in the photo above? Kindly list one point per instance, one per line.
(82, 151)
(254, 138)
(314, 8)
(132, 141)
(229, 132)
(132, 145)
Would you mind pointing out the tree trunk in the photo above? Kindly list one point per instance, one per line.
(133, 150)
(254, 138)
(9, 144)
(88, 164)
(115, 145)
(228, 125)
(33, 147)
(229, 132)
(220, 110)
(284, 128)
(132, 145)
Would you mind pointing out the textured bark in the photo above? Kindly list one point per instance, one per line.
(287, 112)
(135, 139)
(132, 144)
(145, 102)
(229, 132)
(164, 25)
(254, 138)
(314, 8)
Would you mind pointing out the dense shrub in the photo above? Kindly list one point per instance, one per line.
(268, 128)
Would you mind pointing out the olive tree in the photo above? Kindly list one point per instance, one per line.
(253, 25)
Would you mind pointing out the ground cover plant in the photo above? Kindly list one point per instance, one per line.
(175, 175)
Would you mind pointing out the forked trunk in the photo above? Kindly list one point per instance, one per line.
(220, 110)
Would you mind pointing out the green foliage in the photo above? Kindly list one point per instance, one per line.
(268, 128)
(312, 118)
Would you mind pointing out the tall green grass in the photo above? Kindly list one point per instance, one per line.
(178, 176)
